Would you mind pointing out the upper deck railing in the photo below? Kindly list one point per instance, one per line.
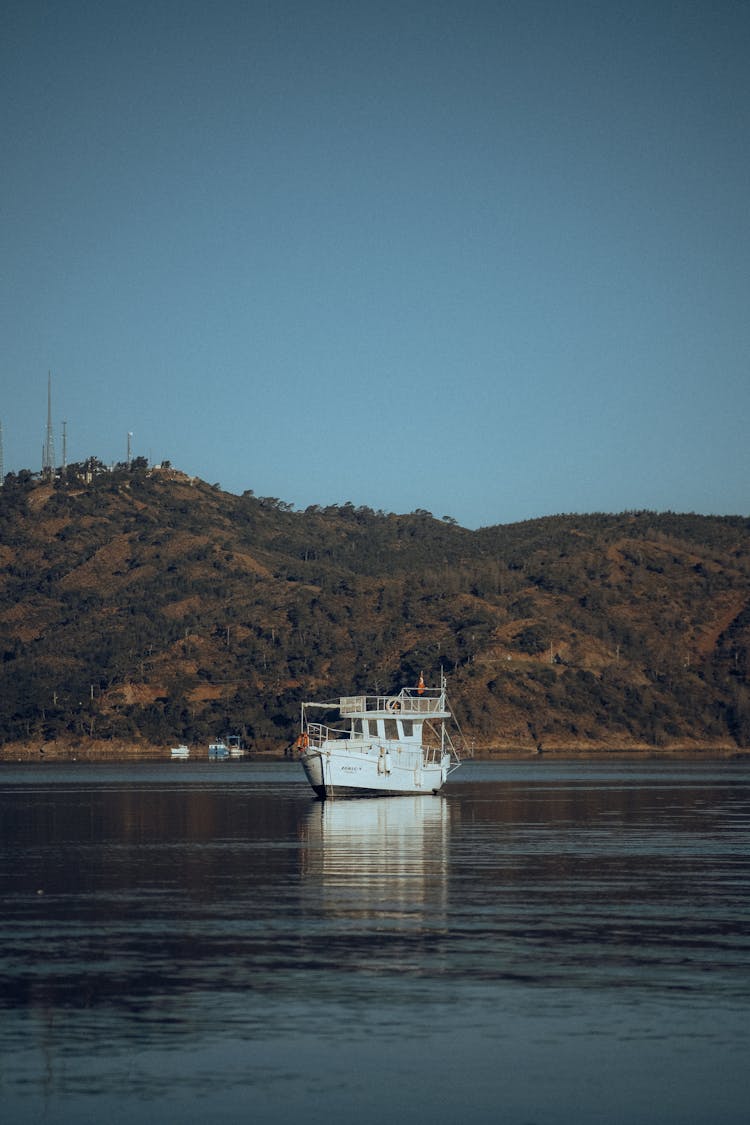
(430, 703)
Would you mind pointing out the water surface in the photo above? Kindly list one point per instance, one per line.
(544, 943)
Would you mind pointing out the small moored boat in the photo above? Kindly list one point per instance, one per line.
(234, 742)
(381, 745)
(180, 753)
(224, 748)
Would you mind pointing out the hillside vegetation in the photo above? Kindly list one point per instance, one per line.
(143, 607)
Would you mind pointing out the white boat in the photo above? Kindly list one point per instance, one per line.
(180, 753)
(381, 745)
(235, 746)
(224, 748)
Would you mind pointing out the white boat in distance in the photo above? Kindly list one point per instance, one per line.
(218, 751)
(383, 745)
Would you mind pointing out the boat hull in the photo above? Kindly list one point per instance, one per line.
(346, 773)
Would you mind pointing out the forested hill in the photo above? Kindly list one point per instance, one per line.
(142, 606)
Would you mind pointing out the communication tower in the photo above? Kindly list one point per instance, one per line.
(2, 466)
(48, 456)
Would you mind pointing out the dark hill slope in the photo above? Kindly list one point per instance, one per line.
(147, 607)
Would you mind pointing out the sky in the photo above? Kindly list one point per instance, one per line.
(491, 260)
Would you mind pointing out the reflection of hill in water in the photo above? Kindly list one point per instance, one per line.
(383, 853)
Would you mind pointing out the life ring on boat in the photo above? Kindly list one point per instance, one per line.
(303, 742)
(394, 705)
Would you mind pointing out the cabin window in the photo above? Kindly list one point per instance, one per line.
(356, 726)
(407, 725)
(391, 728)
(373, 728)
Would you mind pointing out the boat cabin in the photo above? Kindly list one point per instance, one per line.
(401, 728)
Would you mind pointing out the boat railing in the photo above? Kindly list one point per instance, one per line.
(318, 733)
(403, 703)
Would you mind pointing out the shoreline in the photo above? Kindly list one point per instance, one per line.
(121, 752)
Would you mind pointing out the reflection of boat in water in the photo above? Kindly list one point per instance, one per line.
(384, 745)
(391, 855)
(365, 824)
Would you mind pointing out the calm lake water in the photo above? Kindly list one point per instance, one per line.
(544, 943)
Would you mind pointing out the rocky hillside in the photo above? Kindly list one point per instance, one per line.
(141, 607)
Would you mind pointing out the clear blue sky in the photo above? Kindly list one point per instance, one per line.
(488, 259)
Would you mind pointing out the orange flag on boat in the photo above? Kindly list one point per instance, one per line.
(420, 685)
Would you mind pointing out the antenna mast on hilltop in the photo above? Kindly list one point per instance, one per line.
(2, 466)
(48, 457)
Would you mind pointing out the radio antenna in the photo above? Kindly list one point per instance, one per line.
(48, 458)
